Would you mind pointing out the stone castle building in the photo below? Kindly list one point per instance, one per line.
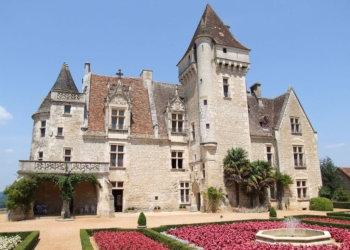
(159, 144)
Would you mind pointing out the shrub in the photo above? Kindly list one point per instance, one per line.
(341, 195)
(325, 192)
(214, 197)
(321, 204)
(341, 205)
(273, 212)
(142, 220)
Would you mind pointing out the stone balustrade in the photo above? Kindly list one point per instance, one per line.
(63, 167)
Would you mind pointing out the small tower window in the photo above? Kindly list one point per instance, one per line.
(225, 87)
(205, 102)
(224, 50)
(208, 126)
(43, 128)
(193, 131)
(67, 109)
(40, 156)
(59, 131)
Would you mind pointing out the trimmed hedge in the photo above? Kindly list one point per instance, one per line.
(29, 239)
(273, 212)
(321, 204)
(339, 214)
(345, 205)
(85, 240)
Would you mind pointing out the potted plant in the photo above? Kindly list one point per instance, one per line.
(131, 210)
(157, 209)
(183, 208)
(142, 222)
(273, 213)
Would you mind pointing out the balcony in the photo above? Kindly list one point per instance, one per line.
(61, 167)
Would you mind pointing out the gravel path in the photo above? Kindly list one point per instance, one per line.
(64, 235)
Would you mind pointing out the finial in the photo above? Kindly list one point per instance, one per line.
(119, 74)
(176, 93)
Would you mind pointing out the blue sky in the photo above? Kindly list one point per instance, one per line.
(304, 44)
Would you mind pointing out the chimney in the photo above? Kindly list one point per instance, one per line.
(256, 92)
(147, 77)
(87, 68)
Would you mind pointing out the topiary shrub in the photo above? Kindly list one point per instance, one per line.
(273, 212)
(142, 220)
(321, 204)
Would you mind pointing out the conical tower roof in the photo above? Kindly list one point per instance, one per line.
(64, 83)
(211, 26)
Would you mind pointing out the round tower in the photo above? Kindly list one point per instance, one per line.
(206, 100)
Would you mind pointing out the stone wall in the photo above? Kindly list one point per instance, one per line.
(49, 193)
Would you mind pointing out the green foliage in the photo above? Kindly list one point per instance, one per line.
(325, 192)
(236, 166)
(330, 175)
(22, 192)
(214, 196)
(273, 212)
(341, 194)
(339, 214)
(142, 220)
(345, 205)
(2, 200)
(85, 240)
(321, 204)
(283, 179)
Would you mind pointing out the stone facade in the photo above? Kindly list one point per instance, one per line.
(158, 144)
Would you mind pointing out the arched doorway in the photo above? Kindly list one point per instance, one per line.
(197, 195)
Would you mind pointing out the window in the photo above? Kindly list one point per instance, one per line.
(43, 128)
(177, 122)
(224, 50)
(301, 189)
(176, 160)
(67, 109)
(298, 156)
(269, 155)
(272, 193)
(114, 183)
(225, 86)
(295, 125)
(117, 118)
(120, 184)
(207, 126)
(40, 156)
(205, 102)
(184, 192)
(203, 171)
(193, 131)
(59, 131)
(67, 154)
(117, 156)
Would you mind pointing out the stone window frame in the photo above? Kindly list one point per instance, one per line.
(203, 171)
(59, 132)
(193, 131)
(116, 152)
(42, 128)
(226, 88)
(299, 158)
(67, 109)
(302, 189)
(295, 125)
(270, 154)
(184, 192)
(175, 159)
(118, 117)
(176, 121)
(67, 154)
(40, 156)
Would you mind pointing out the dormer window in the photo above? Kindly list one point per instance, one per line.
(264, 122)
(177, 122)
(117, 119)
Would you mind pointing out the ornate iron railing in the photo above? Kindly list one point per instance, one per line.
(63, 167)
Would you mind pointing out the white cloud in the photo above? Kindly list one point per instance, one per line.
(339, 145)
(4, 115)
(9, 150)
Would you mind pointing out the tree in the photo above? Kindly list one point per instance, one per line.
(261, 176)
(236, 168)
(282, 181)
(330, 175)
(214, 197)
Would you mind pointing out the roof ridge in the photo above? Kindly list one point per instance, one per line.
(64, 81)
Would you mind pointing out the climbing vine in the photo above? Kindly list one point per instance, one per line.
(22, 192)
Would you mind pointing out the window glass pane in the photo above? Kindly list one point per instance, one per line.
(66, 158)
(173, 163)
(268, 149)
(179, 117)
(120, 148)
(67, 152)
(114, 112)
(187, 184)
(114, 123)
(113, 148)
(120, 184)
(42, 132)
(120, 160)
(121, 112)
(43, 123)
(173, 116)
(180, 126)
(224, 81)
(66, 109)
(179, 163)
(173, 154)
(182, 184)
(179, 154)
(113, 160)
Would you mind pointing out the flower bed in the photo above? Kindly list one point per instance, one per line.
(9, 243)
(329, 220)
(241, 235)
(125, 240)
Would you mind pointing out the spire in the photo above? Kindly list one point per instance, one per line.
(211, 26)
(65, 81)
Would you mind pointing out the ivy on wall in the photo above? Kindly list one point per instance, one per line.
(22, 192)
